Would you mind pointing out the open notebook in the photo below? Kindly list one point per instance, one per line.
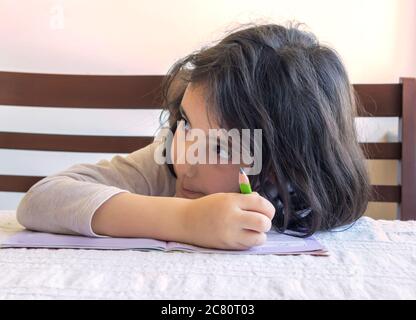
(276, 244)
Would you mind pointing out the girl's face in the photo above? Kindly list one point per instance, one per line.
(197, 180)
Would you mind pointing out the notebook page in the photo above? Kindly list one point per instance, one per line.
(276, 243)
(32, 239)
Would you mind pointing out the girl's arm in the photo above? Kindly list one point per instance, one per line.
(134, 215)
(65, 202)
(219, 220)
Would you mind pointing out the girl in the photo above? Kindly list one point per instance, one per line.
(270, 77)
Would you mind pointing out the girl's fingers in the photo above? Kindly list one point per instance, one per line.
(254, 221)
(251, 238)
(257, 203)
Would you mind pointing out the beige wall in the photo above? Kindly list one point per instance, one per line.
(376, 39)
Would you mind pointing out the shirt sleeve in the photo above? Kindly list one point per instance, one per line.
(65, 202)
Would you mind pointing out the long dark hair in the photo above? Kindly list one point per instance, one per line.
(283, 81)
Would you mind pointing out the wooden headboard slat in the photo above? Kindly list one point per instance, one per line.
(386, 193)
(408, 203)
(13, 183)
(72, 143)
(143, 91)
(80, 91)
(383, 151)
(127, 144)
(379, 100)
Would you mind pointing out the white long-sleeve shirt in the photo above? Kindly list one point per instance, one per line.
(65, 202)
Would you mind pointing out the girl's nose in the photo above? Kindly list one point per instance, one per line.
(191, 170)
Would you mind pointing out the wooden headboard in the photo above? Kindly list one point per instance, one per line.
(143, 91)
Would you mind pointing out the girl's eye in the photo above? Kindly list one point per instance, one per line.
(223, 153)
(186, 126)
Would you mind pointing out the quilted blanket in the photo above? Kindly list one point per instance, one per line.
(373, 259)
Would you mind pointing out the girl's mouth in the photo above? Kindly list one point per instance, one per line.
(191, 193)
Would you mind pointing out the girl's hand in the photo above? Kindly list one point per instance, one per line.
(229, 220)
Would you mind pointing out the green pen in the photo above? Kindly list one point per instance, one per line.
(245, 186)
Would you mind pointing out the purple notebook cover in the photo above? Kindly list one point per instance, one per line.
(276, 244)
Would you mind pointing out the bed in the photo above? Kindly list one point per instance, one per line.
(373, 259)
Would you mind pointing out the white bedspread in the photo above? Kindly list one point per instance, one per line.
(374, 259)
